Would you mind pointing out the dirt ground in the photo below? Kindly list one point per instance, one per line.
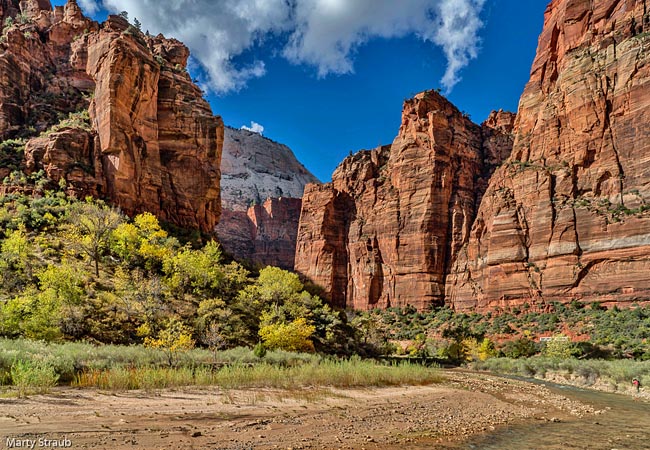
(435, 416)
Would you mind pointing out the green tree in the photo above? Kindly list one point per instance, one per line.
(277, 298)
(65, 284)
(196, 272)
(33, 314)
(16, 258)
(463, 338)
(559, 347)
(144, 299)
(143, 242)
(90, 228)
(175, 337)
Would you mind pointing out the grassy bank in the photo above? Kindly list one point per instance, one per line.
(615, 375)
(329, 373)
(34, 367)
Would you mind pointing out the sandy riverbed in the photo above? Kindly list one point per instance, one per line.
(435, 416)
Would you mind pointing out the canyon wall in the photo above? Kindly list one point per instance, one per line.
(140, 134)
(264, 234)
(261, 186)
(387, 228)
(567, 216)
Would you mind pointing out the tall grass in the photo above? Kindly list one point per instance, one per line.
(32, 377)
(616, 372)
(136, 367)
(69, 358)
(330, 373)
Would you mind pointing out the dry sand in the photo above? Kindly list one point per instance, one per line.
(435, 416)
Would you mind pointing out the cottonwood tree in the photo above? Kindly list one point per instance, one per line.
(90, 227)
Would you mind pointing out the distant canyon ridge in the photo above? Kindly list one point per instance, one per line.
(546, 205)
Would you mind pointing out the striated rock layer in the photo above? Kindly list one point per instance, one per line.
(387, 228)
(566, 218)
(255, 169)
(151, 143)
(264, 234)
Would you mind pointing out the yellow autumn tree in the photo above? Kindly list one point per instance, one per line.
(294, 336)
(175, 337)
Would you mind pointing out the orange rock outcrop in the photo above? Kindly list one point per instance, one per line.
(565, 217)
(386, 229)
(264, 234)
(152, 142)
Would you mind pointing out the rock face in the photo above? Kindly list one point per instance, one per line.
(255, 169)
(387, 228)
(264, 234)
(566, 217)
(151, 142)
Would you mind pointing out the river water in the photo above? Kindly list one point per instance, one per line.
(625, 425)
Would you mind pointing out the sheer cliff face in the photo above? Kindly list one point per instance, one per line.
(566, 216)
(263, 235)
(385, 230)
(261, 186)
(256, 168)
(152, 143)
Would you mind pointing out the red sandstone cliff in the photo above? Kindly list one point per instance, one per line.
(567, 216)
(152, 142)
(386, 229)
(263, 234)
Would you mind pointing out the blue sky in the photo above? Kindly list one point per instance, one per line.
(326, 88)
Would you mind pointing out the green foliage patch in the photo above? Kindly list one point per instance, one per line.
(81, 270)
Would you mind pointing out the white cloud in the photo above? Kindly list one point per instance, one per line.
(321, 33)
(215, 31)
(89, 7)
(457, 34)
(255, 128)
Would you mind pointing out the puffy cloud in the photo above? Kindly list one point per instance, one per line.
(321, 33)
(89, 7)
(255, 128)
(215, 31)
(328, 31)
(457, 34)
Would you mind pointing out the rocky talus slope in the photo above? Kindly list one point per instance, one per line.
(261, 186)
(565, 217)
(149, 141)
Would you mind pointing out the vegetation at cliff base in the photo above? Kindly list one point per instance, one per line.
(93, 298)
(36, 366)
(595, 332)
(80, 270)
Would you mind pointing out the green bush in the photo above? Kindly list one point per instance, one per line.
(259, 350)
(33, 377)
